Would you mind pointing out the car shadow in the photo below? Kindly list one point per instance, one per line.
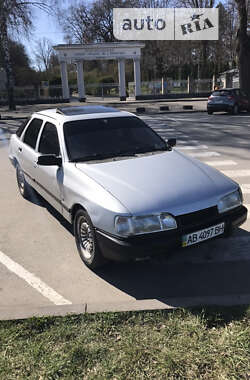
(174, 284)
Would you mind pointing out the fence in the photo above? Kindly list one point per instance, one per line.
(53, 94)
(160, 87)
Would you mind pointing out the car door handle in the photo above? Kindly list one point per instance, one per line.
(20, 149)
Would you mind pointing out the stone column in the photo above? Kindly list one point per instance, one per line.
(122, 82)
(65, 84)
(80, 81)
(137, 77)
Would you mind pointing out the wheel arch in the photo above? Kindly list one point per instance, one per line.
(74, 209)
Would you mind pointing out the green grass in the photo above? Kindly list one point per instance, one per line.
(210, 343)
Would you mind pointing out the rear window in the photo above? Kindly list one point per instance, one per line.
(221, 93)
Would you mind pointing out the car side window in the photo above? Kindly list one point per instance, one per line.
(22, 127)
(49, 143)
(30, 136)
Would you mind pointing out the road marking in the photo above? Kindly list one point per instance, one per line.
(221, 163)
(204, 154)
(237, 173)
(164, 130)
(245, 188)
(190, 147)
(33, 281)
(189, 141)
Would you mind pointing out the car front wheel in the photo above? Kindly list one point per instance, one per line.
(23, 186)
(210, 112)
(86, 242)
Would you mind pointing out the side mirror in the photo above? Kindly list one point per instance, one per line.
(171, 143)
(49, 160)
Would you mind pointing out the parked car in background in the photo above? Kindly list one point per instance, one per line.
(231, 100)
(126, 191)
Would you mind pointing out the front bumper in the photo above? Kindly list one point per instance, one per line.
(124, 249)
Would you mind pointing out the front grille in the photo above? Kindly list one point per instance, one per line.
(197, 217)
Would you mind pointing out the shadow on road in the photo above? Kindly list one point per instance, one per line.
(164, 282)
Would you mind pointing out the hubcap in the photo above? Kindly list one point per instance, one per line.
(86, 238)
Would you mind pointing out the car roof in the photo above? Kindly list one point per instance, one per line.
(71, 113)
(228, 89)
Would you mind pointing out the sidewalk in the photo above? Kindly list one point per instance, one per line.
(151, 106)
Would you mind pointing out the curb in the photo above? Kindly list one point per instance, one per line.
(21, 312)
(137, 113)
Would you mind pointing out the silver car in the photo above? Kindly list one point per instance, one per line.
(127, 192)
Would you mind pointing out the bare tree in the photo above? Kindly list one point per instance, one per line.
(86, 23)
(15, 16)
(43, 53)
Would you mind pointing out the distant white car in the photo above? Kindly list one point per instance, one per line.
(125, 190)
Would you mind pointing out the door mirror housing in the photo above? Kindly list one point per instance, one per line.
(171, 143)
(49, 160)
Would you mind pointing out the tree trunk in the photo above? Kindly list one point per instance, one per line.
(7, 62)
(243, 47)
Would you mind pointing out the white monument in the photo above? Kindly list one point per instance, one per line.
(121, 51)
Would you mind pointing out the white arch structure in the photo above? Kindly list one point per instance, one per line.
(119, 51)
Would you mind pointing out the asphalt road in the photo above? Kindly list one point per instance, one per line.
(41, 272)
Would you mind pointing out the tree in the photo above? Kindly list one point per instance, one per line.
(43, 53)
(15, 15)
(243, 46)
(86, 23)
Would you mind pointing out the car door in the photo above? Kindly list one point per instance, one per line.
(50, 178)
(26, 150)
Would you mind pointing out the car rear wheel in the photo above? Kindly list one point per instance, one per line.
(235, 109)
(23, 186)
(86, 240)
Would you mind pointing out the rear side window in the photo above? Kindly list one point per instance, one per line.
(22, 126)
(32, 132)
(49, 143)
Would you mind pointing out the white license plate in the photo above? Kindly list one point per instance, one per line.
(198, 236)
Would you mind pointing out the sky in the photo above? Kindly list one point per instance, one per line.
(44, 26)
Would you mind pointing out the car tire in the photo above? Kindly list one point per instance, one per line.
(86, 241)
(210, 112)
(235, 109)
(23, 186)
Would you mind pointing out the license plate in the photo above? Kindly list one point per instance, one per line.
(218, 101)
(202, 235)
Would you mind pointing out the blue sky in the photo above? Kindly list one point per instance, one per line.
(44, 26)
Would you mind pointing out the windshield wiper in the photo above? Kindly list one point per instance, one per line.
(151, 149)
(102, 156)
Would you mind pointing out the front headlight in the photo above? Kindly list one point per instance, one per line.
(135, 225)
(230, 201)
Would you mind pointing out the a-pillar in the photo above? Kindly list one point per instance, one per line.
(80, 81)
(65, 84)
(122, 83)
(137, 77)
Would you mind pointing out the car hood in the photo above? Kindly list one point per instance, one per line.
(168, 181)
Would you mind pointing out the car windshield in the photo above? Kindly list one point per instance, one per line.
(221, 93)
(108, 137)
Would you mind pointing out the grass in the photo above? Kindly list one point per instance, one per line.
(210, 343)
